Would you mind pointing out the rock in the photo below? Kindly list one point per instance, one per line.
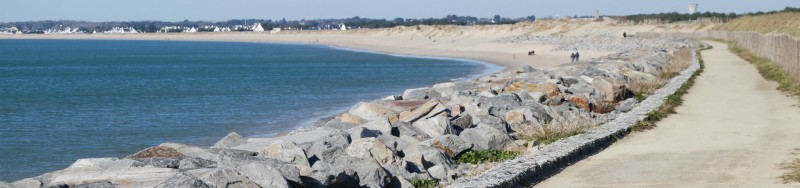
(379, 125)
(486, 138)
(190, 151)
(361, 132)
(116, 171)
(439, 173)
(626, 106)
(549, 90)
(371, 148)
(581, 103)
(157, 151)
(286, 151)
(514, 117)
(409, 131)
(393, 98)
(99, 184)
(586, 79)
(491, 121)
(434, 126)
(451, 145)
(328, 148)
(370, 173)
(456, 110)
(420, 93)
(569, 80)
(403, 183)
(193, 163)
(419, 112)
(233, 139)
(461, 122)
(426, 156)
(224, 177)
(339, 125)
(326, 175)
(158, 162)
(581, 88)
(263, 175)
(528, 68)
(27, 183)
(182, 180)
(350, 118)
(370, 111)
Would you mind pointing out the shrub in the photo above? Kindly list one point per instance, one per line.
(483, 156)
(423, 183)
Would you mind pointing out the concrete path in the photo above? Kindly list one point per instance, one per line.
(731, 131)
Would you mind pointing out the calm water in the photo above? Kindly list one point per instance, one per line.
(61, 100)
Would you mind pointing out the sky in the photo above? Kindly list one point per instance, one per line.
(221, 10)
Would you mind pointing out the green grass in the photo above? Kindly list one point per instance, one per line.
(484, 156)
(793, 170)
(672, 101)
(423, 183)
(768, 69)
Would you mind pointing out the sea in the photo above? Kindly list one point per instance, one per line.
(61, 100)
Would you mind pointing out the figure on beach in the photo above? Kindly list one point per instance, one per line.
(531, 53)
(624, 34)
(572, 58)
(577, 56)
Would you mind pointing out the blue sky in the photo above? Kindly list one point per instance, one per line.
(220, 10)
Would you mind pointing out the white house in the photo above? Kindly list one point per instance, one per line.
(257, 27)
(342, 27)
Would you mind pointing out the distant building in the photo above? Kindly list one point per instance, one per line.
(257, 28)
(275, 30)
(342, 27)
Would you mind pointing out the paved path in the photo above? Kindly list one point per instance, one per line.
(731, 131)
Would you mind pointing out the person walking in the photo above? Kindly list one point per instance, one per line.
(624, 34)
(572, 57)
(577, 56)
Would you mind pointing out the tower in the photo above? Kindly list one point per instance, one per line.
(692, 8)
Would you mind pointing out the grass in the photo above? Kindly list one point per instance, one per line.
(788, 22)
(551, 132)
(793, 170)
(672, 101)
(768, 69)
(643, 88)
(485, 156)
(423, 183)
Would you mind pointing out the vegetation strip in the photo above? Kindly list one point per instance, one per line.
(768, 69)
(553, 157)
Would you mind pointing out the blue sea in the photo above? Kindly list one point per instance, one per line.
(61, 100)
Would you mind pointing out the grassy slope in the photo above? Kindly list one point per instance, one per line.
(787, 22)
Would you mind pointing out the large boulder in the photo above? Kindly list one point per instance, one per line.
(370, 173)
(550, 90)
(182, 180)
(187, 163)
(488, 120)
(263, 175)
(420, 93)
(328, 148)
(371, 148)
(27, 183)
(361, 132)
(223, 177)
(326, 175)
(461, 122)
(157, 151)
(371, 110)
(421, 111)
(286, 151)
(233, 139)
(435, 126)
(407, 130)
(159, 162)
(381, 125)
(114, 170)
(451, 145)
(426, 156)
(486, 138)
(350, 118)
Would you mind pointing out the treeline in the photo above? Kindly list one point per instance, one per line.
(354, 22)
(676, 17)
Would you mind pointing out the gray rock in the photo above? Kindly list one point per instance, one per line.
(326, 175)
(5, 185)
(263, 175)
(225, 177)
(361, 132)
(528, 68)
(99, 184)
(486, 138)
(182, 180)
(439, 173)
(194, 163)
(419, 112)
(569, 80)
(233, 139)
(372, 148)
(581, 88)
(370, 173)
(409, 131)
(451, 145)
(420, 93)
(159, 162)
(426, 156)
(371, 110)
(328, 148)
(27, 183)
(488, 120)
(286, 151)
(626, 105)
(379, 125)
(339, 125)
(435, 126)
(462, 122)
